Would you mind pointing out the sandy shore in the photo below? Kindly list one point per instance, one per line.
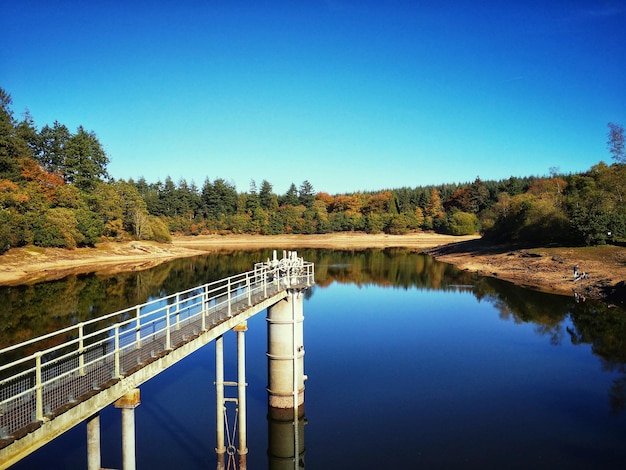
(547, 269)
(32, 264)
(602, 269)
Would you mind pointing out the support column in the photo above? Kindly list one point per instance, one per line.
(127, 404)
(94, 460)
(220, 449)
(285, 351)
(241, 392)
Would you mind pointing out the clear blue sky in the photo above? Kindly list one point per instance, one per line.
(349, 95)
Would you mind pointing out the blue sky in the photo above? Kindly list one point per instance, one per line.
(349, 95)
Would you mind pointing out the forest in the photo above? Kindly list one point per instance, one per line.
(55, 191)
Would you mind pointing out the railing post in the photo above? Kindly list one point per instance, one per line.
(249, 289)
(38, 388)
(168, 338)
(205, 305)
(81, 349)
(230, 311)
(138, 328)
(178, 311)
(265, 282)
(117, 350)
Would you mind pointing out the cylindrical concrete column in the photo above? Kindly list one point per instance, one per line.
(220, 449)
(128, 439)
(285, 351)
(241, 393)
(128, 403)
(94, 460)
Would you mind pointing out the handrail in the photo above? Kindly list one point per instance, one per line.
(34, 387)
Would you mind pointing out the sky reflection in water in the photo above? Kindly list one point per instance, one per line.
(401, 375)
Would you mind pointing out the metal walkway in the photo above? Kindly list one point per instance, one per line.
(52, 383)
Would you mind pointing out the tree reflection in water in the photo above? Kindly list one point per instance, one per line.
(33, 310)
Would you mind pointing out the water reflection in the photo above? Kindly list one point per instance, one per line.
(443, 375)
(33, 310)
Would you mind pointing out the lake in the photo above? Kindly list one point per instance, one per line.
(411, 363)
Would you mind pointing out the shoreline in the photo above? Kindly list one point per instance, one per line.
(29, 265)
(545, 269)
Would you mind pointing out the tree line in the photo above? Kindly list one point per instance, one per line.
(55, 190)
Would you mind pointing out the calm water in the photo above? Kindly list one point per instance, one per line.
(411, 364)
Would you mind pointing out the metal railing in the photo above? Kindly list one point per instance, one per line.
(89, 355)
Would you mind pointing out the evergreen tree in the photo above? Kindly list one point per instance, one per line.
(291, 196)
(306, 195)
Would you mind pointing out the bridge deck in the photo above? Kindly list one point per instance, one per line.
(44, 386)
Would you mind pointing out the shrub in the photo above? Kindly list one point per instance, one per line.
(463, 223)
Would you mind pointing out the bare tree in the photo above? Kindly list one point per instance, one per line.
(616, 142)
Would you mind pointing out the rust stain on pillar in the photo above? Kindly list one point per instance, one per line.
(129, 400)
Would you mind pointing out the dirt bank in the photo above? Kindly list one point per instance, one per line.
(33, 264)
(601, 270)
(546, 269)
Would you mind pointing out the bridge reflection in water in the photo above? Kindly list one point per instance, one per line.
(51, 383)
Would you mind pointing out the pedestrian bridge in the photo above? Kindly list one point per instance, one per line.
(52, 383)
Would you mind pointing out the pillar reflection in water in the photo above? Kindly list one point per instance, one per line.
(285, 360)
(285, 438)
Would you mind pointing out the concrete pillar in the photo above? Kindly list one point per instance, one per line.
(285, 351)
(220, 449)
(241, 393)
(127, 404)
(285, 439)
(94, 460)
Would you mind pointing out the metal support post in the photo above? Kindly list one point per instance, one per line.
(241, 392)
(127, 404)
(93, 443)
(220, 449)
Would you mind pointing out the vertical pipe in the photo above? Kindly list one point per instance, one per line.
(220, 449)
(296, 438)
(93, 442)
(241, 392)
